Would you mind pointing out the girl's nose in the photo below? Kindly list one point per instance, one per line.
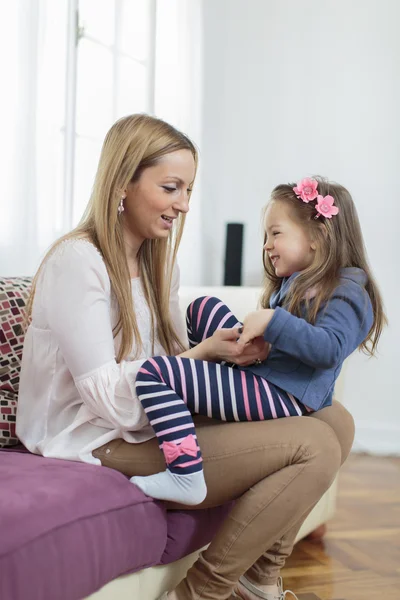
(268, 245)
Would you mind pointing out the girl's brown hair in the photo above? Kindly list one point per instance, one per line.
(133, 144)
(339, 243)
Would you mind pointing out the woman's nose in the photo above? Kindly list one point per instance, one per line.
(182, 204)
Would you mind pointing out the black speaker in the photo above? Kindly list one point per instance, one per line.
(233, 254)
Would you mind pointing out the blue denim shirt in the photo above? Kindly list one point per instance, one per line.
(305, 360)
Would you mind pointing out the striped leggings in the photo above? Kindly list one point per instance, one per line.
(172, 388)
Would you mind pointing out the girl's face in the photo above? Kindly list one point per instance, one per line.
(161, 193)
(289, 246)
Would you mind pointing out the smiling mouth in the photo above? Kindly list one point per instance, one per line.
(167, 219)
(273, 259)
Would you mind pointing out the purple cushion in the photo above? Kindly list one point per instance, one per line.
(67, 528)
(189, 530)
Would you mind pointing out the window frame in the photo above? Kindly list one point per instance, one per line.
(76, 32)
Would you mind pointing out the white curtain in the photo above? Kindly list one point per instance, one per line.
(32, 54)
(32, 107)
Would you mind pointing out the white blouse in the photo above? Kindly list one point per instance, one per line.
(73, 396)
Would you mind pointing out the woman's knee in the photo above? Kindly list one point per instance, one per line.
(323, 453)
(342, 423)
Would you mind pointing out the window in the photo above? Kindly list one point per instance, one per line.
(71, 68)
(113, 76)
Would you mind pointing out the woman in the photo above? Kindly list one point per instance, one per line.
(106, 298)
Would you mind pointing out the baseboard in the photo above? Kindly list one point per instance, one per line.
(381, 439)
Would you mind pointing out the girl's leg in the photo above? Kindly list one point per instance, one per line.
(266, 570)
(168, 386)
(205, 315)
(171, 420)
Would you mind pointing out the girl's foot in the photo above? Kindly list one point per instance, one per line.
(188, 489)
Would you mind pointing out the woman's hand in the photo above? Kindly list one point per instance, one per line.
(222, 345)
(255, 324)
(225, 345)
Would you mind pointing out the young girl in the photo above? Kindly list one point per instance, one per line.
(320, 303)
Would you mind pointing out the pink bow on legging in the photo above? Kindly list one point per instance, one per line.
(173, 451)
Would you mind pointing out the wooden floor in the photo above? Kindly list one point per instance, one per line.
(359, 557)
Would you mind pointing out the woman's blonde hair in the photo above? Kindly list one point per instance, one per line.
(339, 243)
(133, 144)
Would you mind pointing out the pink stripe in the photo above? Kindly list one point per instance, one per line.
(170, 372)
(270, 399)
(157, 368)
(171, 417)
(163, 405)
(245, 396)
(173, 429)
(210, 318)
(183, 378)
(180, 440)
(296, 406)
(141, 370)
(285, 410)
(189, 464)
(258, 399)
(202, 305)
(224, 320)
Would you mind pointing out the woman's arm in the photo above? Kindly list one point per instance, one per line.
(76, 301)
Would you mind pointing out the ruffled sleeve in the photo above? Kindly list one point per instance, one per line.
(76, 293)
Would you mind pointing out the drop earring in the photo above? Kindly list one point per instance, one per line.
(121, 207)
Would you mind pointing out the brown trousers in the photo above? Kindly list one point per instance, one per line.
(278, 470)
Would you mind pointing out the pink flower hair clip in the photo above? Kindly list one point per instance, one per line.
(306, 190)
(325, 207)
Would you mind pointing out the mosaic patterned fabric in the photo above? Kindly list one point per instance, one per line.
(14, 293)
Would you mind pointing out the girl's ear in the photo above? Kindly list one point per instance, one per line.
(322, 229)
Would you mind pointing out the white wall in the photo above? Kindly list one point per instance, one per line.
(300, 87)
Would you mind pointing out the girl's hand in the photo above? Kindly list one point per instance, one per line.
(264, 348)
(255, 324)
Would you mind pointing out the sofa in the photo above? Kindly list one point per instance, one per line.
(71, 531)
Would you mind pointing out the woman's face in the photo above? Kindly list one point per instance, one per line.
(158, 197)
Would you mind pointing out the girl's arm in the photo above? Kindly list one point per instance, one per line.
(341, 326)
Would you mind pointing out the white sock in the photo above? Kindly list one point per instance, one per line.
(186, 489)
